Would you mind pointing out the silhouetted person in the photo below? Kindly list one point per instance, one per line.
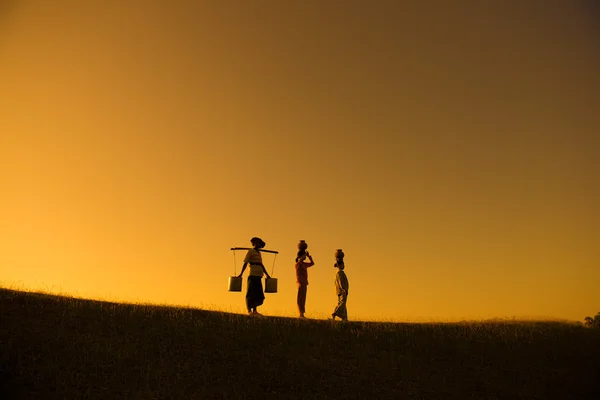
(341, 288)
(254, 294)
(302, 279)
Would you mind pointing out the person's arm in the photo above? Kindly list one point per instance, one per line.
(265, 271)
(311, 263)
(345, 283)
(246, 262)
(243, 269)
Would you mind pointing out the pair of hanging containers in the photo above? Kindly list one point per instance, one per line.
(235, 282)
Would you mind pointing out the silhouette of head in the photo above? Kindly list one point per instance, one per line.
(301, 255)
(257, 242)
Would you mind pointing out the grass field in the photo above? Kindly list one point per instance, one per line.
(54, 347)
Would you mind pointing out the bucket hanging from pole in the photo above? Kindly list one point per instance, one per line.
(271, 283)
(235, 282)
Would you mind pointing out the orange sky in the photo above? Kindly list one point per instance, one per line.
(451, 151)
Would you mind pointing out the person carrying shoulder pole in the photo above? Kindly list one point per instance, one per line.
(254, 295)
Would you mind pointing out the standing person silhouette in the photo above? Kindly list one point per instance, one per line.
(302, 279)
(341, 287)
(254, 294)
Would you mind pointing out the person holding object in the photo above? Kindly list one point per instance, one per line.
(341, 287)
(302, 279)
(254, 294)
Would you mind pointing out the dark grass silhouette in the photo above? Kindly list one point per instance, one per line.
(54, 347)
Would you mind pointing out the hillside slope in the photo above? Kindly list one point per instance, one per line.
(54, 347)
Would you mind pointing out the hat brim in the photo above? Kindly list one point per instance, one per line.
(258, 242)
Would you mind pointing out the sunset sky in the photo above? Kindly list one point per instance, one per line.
(450, 148)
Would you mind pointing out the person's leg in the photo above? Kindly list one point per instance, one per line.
(254, 294)
(302, 299)
(343, 310)
(249, 295)
(260, 294)
(340, 309)
(335, 310)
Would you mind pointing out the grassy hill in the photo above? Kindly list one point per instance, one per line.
(54, 347)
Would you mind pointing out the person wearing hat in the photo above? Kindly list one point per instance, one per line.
(254, 295)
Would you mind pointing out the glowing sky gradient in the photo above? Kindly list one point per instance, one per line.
(451, 149)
